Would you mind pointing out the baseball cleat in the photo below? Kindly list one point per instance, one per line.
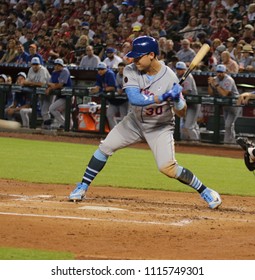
(78, 193)
(211, 197)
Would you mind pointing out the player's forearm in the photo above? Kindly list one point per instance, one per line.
(137, 99)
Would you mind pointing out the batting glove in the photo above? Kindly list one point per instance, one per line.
(173, 94)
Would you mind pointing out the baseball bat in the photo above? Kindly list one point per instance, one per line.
(196, 60)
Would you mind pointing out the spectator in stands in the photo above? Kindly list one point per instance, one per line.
(66, 53)
(231, 65)
(220, 31)
(169, 50)
(136, 32)
(190, 31)
(186, 54)
(189, 127)
(10, 53)
(85, 30)
(29, 40)
(22, 56)
(90, 60)
(238, 56)
(38, 21)
(60, 78)
(246, 58)
(219, 50)
(39, 76)
(248, 34)
(112, 60)
(251, 12)
(98, 46)
(172, 63)
(158, 26)
(46, 51)
(80, 46)
(22, 100)
(224, 85)
(205, 24)
(33, 53)
(105, 82)
(126, 47)
(231, 47)
(172, 27)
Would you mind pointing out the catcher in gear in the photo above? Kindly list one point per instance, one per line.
(249, 154)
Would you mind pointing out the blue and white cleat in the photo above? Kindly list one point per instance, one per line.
(78, 193)
(211, 197)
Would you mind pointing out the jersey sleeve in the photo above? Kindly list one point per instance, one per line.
(130, 77)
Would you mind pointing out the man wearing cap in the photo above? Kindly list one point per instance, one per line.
(112, 60)
(22, 100)
(85, 30)
(247, 58)
(135, 32)
(33, 53)
(106, 82)
(39, 76)
(231, 47)
(223, 85)
(60, 78)
(189, 129)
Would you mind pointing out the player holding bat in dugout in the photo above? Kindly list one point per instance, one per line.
(155, 97)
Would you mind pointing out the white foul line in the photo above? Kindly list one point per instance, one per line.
(180, 223)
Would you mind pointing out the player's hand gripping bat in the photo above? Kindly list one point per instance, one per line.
(196, 60)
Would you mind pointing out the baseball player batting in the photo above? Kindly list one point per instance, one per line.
(155, 97)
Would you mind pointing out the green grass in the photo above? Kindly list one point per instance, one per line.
(64, 163)
(31, 254)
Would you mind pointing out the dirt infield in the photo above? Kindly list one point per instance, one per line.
(116, 223)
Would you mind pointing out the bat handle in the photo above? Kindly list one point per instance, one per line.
(185, 75)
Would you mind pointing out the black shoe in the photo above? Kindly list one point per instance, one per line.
(47, 122)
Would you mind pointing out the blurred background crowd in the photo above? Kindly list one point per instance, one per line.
(75, 29)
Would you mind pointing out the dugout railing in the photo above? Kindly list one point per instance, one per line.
(244, 81)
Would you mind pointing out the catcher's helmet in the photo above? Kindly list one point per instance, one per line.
(142, 46)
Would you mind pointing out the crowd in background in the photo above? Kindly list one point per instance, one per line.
(75, 29)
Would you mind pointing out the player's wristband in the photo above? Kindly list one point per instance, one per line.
(180, 104)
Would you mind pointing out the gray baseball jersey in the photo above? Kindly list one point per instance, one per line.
(190, 130)
(153, 123)
(155, 114)
(42, 76)
(228, 83)
(230, 113)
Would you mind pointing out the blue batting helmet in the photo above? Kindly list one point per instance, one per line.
(142, 46)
